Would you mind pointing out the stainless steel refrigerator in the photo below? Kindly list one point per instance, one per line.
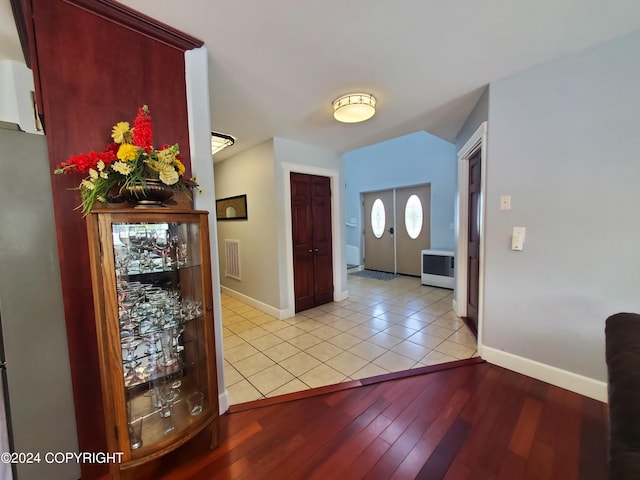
(36, 379)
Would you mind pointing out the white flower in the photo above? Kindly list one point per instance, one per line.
(100, 165)
(104, 174)
(93, 173)
(122, 167)
(87, 184)
(169, 176)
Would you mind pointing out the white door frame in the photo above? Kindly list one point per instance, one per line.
(339, 292)
(477, 141)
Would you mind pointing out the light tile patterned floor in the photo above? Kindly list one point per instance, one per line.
(384, 326)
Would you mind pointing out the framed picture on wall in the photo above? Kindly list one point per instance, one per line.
(232, 208)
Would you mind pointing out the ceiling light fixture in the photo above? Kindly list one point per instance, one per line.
(220, 141)
(354, 107)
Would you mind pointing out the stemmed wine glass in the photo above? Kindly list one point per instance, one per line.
(128, 297)
(160, 239)
(183, 252)
(129, 345)
(138, 237)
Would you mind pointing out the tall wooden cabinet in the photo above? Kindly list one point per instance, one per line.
(312, 245)
(80, 95)
(151, 279)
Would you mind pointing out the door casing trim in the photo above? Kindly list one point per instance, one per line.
(339, 291)
(477, 141)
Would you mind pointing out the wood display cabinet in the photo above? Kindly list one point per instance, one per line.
(151, 277)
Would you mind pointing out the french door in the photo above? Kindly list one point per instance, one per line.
(396, 229)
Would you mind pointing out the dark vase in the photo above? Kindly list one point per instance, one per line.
(153, 194)
(116, 194)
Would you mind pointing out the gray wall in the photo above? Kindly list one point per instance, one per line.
(252, 173)
(479, 114)
(563, 141)
(35, 340)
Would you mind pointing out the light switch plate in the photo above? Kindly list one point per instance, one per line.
(517, 238)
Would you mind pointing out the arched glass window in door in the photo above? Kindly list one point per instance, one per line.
(378, 218)
(413, 216)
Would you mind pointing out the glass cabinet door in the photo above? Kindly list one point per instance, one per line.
(161, 325)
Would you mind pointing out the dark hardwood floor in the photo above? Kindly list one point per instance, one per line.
(474, 421)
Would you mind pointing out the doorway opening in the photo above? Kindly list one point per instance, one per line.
(471, 206)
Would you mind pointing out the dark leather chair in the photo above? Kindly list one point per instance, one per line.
(622, 334)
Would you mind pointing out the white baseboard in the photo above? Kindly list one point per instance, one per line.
(223, 401)
(340, 296)
(561, 378)
(263, 307)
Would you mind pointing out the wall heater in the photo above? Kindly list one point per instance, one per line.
(438, 268)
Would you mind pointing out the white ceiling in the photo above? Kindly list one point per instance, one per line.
(276, 65)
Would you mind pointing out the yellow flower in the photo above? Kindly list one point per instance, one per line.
(168, 155)
(127, 152)
(121, 132)
(179, 166)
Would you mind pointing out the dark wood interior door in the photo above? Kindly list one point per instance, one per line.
(473, 254)
(312, 245)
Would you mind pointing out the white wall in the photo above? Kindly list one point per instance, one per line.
(252, 173)
(563, 141)
(16, 86)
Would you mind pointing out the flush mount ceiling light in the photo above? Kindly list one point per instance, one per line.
(220, 141)
(354, 107)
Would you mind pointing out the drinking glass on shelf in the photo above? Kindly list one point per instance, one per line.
(195, 402)
(123, 235)
(122, 260)
(138, 240)
(129, 345)
(135, 432)
(167, 400)
(153, 353)
(128, 297)
(160, 239)
(183, 252)
(168, 351)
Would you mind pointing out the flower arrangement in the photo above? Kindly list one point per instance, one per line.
(129, 161)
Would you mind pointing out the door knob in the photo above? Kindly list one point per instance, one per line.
(316, 250)
(391, 231)
(310, 251)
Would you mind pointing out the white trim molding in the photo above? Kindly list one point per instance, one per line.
(197, 82)
(263, 307)
(477, 141)
(561, 378)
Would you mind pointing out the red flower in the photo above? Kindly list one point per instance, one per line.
(142, 129)
(86, 161)
(113, 147)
